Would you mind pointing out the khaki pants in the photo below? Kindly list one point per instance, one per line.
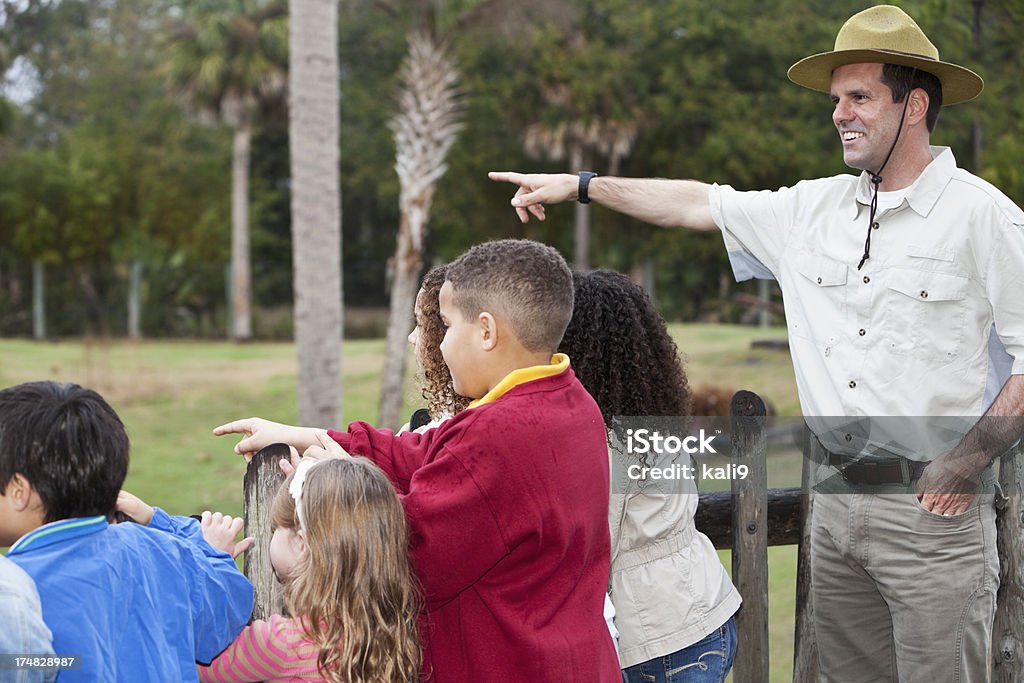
(901, 594)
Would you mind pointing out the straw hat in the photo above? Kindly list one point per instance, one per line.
(887, 35)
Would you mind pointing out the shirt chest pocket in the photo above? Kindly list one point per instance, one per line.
(821, 305)
(924, 314)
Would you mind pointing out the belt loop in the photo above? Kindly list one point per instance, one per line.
(905, 471)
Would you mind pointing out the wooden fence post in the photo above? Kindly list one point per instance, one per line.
(263, 477)
(750, 537)
(805, 645)
(1008, 630)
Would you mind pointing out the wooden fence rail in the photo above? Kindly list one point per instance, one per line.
(747, 520)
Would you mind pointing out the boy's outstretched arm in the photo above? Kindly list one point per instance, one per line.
(664, 202)
(398, 455)
(260, 433)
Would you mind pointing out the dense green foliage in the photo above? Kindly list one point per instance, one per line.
(102, 163)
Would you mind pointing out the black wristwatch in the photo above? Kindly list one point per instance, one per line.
(582, 196)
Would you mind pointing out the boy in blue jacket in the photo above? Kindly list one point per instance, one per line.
(131, 602)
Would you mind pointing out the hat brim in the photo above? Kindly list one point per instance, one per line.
(815, 72)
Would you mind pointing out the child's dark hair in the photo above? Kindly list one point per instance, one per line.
(526, 282)
(68, 443)
(621, 351)
(438, 388)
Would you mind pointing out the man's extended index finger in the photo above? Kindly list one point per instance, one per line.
(506, 177)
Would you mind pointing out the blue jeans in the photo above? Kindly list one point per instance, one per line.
(707, 661)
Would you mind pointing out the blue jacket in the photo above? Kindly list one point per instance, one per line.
(23, 631)
(136, 603)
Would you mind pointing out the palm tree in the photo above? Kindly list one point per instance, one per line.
(316, 207)
(228, 56)
(425, 129)
(580, 141)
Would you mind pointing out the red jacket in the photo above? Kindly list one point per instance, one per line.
(508, 511)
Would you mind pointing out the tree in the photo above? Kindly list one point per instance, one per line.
(425, 129)
(592, 87)
(316, 207)
(230, 54)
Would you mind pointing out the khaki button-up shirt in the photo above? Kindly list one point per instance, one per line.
(909, 333)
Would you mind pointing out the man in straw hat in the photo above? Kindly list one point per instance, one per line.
(903, 298)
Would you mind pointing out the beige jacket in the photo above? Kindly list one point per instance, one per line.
(667, 584)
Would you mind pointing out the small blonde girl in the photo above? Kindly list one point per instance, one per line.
(340, 550)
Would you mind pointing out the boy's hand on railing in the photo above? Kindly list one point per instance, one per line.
(260, 433)
(220, 531)
(134, 507)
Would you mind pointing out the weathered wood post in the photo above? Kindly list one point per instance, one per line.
(263, 477)
(750, 536)
(1008, 631)
(805, 645)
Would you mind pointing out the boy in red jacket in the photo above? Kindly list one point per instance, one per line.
(506, 501)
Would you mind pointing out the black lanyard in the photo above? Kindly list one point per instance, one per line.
(876, 178)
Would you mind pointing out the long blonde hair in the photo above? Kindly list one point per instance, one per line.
(353, 593)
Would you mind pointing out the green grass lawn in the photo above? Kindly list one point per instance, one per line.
(171, 394)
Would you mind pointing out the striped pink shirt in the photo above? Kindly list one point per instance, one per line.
(273, 651)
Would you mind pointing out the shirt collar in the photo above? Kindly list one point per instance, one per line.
(58, 531)
(559, 364)
(924, 191)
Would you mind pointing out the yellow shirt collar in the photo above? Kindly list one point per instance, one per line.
(559, 364)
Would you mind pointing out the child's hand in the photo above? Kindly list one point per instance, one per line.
(288, 466)
(325, 448)
(134, 507)
(220, 531)
(260, 433)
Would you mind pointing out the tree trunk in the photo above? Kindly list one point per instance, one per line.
(581, 257)
(135, 301)
(241, 277)
(401, 319)
(764, 315)
(316, 207)
(38, 300)
(425, 128)
(642, 272)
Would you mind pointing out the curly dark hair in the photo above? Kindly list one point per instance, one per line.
(621, 351)
(436, 383)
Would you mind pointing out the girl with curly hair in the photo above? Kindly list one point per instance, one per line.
(673, 599)
(435, 378)
(340, 550)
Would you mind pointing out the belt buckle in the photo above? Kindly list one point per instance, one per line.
(870, 470)
(860, 473)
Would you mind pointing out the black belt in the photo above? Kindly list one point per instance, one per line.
(875, 472)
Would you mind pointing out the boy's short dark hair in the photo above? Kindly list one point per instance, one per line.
(68, 442)
(527, 283)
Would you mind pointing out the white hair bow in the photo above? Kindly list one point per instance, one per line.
(295, 488)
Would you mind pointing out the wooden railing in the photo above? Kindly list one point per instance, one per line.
(747, 519)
